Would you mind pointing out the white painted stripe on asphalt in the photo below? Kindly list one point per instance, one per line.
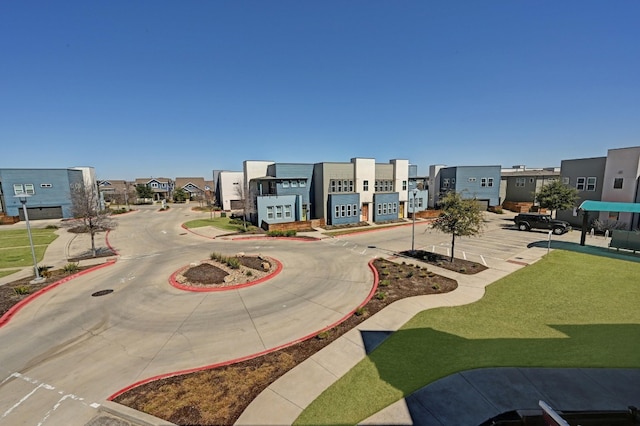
(55, 407)
(483, 261)
(24, 398)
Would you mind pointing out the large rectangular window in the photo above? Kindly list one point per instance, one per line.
(379, 209)
(285, 183)
(580, 182)
(337, 212)
(278, 212)
(520, 182)
(490, 182)
(365, 185)
(395, 207)
(287, 211)
(270, 212)
(303, 183)
(591, 184)
(294, 183)
(343, 210)
(445, 182)
(333, 186)
(18, 189)
(483, 182)
(348, 209)
(355, 210)
(404, 185)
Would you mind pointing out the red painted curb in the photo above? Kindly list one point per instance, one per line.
(4, 319)
(311, 239)
(106, 239)
(195, 233)
(384, 228)
(245, 358)
(176, 284)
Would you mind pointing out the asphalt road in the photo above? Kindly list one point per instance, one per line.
(66, 352)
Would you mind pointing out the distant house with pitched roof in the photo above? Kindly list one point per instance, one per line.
(162, 187)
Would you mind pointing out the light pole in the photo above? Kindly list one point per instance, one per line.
(413, 226)
(23, 200)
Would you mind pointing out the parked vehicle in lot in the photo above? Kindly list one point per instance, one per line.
(529, 221)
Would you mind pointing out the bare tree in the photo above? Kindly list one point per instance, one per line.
(244, 194)
(85, 206)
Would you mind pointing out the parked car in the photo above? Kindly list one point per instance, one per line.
(529, 221)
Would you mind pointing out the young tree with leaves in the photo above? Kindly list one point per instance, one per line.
(180, 195)
(557, 196)
(85, 205)
(144, 191)
(460, 218)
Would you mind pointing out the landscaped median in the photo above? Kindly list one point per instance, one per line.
(567, 310)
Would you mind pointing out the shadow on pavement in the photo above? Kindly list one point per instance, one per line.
(588, 249)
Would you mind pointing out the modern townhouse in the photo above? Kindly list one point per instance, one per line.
(614, 178)
(229, 189)
(479, 182)
(519, 184)
(47, 192)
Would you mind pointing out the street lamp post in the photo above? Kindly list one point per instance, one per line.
(23, 200)
(413, 226)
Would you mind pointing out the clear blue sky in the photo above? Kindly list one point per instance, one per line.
(178, 88)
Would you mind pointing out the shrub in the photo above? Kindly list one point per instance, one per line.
(22, 290)
(323, 335)
(249, 273)
(233, 263)
(384, 283)
(385, 273)
(70, 268)
(51, 227)
(463, 269)
(436, 286)
(431, 275)
(290, 233)
(409, 274)
(381, 295)
(422, 274)
(44, 271)
(236, 222)
(223, 214)
(360, 311)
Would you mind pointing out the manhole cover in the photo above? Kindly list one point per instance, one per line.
(183, 233)
(102, 293)
(371, 246)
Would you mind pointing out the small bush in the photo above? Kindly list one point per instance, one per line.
(44, 271)
(381, 295)
(51, 227)
(22, 290)
(422, 274)
(409, 274)
(385, 273)
(223, 214)
(384, 283)
(323, 335)
(70, 268)
(360, 311)
(249, 273)
(436, 286)
(431, 275)
(233, 263)
(463, 269)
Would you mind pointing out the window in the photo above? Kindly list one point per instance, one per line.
(472, 179)
(453, 181)
(490, 182)
(379, 209)
(270, 212)
(591, 184)
(395, 207)
(617, 183)
(565, 180)
(483, 182)
(18, 189)
(303, 183)
(419, 202)
(287, 211)
(278, 212)
(350, 186)
(411, 203)
(337, 212)
(294, 183)
(445, 182)
(285, 183)
(580, 183)
(520, 182)
(531, 180)
(343, 210)
(365, 185)
(614, 215)
(404, 185)
(154, 184)
(46, 185)
(355, 210)
(384, 208)
(333, 186)
(339, 186)
(349, 212)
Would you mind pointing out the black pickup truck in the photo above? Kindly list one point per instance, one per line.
(528, 221)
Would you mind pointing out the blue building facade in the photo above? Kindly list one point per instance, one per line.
(48, 192)
(479, 182)
(343, 208)
(385, 206)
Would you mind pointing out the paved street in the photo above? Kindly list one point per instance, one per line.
(66, 352)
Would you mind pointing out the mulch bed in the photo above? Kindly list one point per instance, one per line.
(218, 396)
(461, 266)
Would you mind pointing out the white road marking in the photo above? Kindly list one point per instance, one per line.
(483, 261)
(24, 398)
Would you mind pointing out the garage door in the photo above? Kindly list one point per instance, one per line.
(483, 204)
(236, 204)
(36, 213)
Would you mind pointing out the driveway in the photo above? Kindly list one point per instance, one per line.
(67, 351)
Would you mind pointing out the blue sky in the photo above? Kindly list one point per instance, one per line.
(178, 88)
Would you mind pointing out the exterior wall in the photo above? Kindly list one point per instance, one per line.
(381, 204)
(468, 188)
(324, 173)
(52, 188)
(254, 169)
(434, 184)
(289, 175)
(532, 184)
(570, 171)
(401, 180)
(365, 170)
(228, 183)
(421, 201)
(344, 208)
(622, 163)
(278, 208)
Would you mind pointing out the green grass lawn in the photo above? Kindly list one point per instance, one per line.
(218, 222)
(8, 272)
(567, 310)
(15, 250)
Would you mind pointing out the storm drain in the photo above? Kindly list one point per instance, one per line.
(102, 292)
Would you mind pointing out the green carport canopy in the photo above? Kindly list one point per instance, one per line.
(609, 206)
(603, 206)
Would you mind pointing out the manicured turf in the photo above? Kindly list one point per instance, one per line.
(8, 272)
(218, 222)
(567, 310)
(20, 238)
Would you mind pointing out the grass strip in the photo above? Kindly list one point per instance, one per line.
(567, 310)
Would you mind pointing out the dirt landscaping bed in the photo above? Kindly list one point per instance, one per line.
(218, 396)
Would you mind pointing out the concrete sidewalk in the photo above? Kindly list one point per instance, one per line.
(283, 401)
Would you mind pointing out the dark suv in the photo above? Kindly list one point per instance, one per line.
(528, 221)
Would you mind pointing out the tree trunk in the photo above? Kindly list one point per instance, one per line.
(93, 244)
(453, 245)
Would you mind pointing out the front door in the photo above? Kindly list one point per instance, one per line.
(304, 212)
(401, 212)
(365, 211)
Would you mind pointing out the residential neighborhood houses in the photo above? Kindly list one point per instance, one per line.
(270, 193)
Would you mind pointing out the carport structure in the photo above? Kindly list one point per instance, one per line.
(603, 206)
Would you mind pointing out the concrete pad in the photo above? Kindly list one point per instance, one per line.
(395, 414)
(269, 408)
(339, 357)
(622, 383)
